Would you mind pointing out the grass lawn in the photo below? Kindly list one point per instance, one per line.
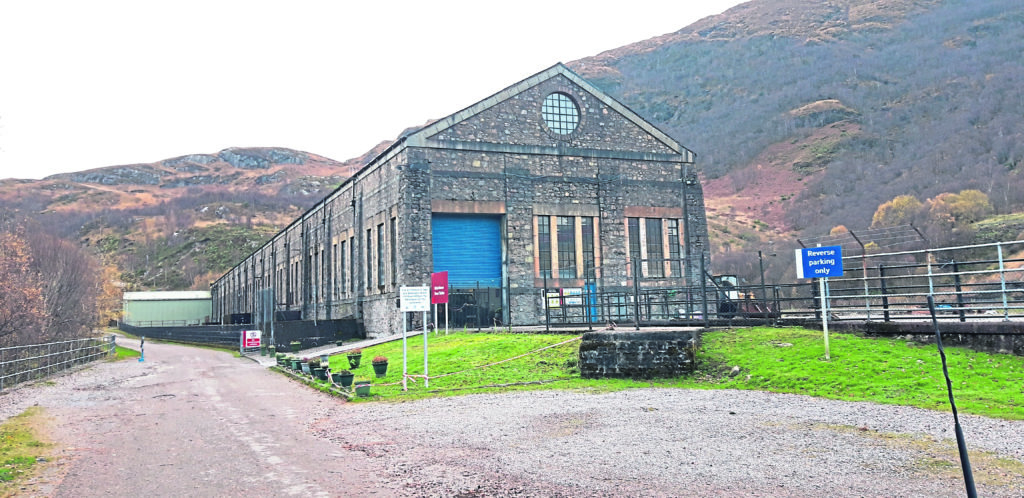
(787, 360)
(19, 448)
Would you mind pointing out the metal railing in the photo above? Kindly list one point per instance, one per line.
(162, 323)
(967, 282)
(23, 363)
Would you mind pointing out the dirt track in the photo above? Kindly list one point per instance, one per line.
(195, 422)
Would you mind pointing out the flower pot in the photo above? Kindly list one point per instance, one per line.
(295, 364)
(320, 373)
(325, 359)
(272, 351)
(343, 380)
(305, 367)
(263, 350)
(353, 360)
(339, 342)
(363, 389)
(381, 369)
(295, 345)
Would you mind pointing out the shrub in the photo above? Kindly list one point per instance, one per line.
(380, 359)
(356, 352)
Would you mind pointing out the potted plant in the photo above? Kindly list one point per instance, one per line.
(325, 360)
(354, 357)
(305, 366)
(343, 378)
(339, 342)
(295, 345)
(295, 363)
(317, 369)
(362, 387)
(280, 357)
(272, 350)
(380, 365)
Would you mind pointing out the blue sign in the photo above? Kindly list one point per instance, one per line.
(817, 262)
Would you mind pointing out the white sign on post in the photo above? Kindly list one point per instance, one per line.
(414, 298)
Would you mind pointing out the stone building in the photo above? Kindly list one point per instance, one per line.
(549, 183)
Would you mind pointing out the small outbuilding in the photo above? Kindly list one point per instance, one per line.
(166, 309)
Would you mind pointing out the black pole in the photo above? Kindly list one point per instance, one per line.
(636, 293)
(965, 460)
(704, 292)
(885, 296)
(764, 290)
(544, 302)
(816, 301)
(959, 291)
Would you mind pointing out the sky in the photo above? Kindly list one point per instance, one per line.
(89, 84)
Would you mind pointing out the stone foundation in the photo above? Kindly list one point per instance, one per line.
(639, 354)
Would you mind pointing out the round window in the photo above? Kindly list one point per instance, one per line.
(560, 113)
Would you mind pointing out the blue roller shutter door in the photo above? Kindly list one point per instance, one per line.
(468, 247)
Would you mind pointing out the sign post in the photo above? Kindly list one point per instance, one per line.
(439, 295)
(250, 340)
(821, 263)
(413, 299)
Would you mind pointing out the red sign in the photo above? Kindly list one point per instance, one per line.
(252, 338)
(439, 288)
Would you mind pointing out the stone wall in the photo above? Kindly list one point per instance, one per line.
(1002, 337)
(638, 354)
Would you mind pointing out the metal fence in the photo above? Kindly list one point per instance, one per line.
(23, 363)
(975, 281)
(967, 282)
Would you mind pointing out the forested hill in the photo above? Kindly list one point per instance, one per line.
(808, 114)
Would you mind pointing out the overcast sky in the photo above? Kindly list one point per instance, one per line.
(88, 84)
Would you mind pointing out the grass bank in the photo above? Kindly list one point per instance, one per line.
(789, 360)
(21, 448)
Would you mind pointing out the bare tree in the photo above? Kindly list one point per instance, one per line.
(21, 297)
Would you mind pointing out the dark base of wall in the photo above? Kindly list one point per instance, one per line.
(991, 337)
(638, 355)
(308, 333)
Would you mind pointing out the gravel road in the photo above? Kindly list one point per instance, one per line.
(195, 422)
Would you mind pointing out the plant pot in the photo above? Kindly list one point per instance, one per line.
(305, 367)
(295, 364)
(353, 360)
(263, 350)
(381, 369)
(272, 350)
(339, 342)
(362, 389)
(320, 373)
(343, 380)
(295, 345)
(325, 359)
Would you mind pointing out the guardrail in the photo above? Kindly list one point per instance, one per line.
(23, 363)
(967, 283)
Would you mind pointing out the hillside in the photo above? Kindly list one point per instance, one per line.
(807, 114)
(176, 223)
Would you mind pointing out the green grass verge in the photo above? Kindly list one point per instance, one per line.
(122, 353)
(789, 360)
(880, 370)
(20, 448)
